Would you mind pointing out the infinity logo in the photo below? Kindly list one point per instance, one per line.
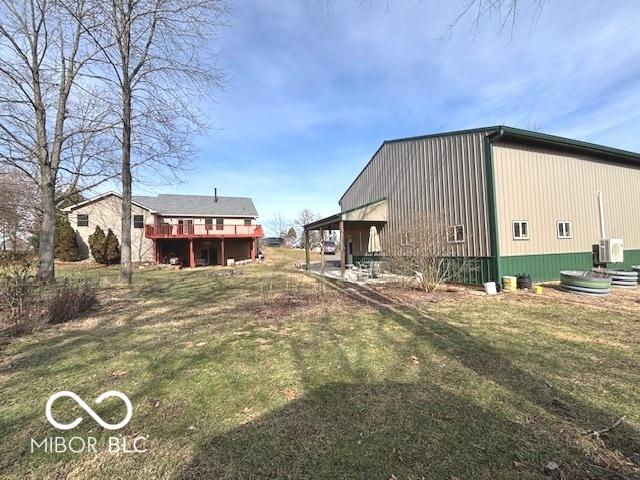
(89, 410)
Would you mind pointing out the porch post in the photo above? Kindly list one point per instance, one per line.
(322, 251)
(342, 248)
(224, 260)
(306, 249)
(253, 250)
(192, 254)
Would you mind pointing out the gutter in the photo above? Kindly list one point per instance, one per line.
(493, 207)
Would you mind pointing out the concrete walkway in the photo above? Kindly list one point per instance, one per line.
(352, 275)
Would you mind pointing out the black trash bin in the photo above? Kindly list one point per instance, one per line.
(523, 281)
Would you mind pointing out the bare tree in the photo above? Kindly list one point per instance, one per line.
(278, 226)
(422, 252)
(155, 56)
(15, 211)
(507, 12)
(43, 56)
(290, 236)
(306, 216)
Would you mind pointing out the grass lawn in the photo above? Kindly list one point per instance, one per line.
(262, 371)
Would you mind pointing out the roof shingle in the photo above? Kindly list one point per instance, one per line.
(168, 204)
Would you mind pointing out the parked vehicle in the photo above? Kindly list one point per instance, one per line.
(274, 241)
(329, 247)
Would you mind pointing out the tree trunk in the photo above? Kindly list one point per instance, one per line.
(125, 246)
(48, 226)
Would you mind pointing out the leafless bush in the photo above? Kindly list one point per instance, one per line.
(27, 304)
(421, 253)
(17, 286)
(69, 299)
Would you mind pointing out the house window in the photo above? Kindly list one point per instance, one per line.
(564, 229)
(138, 221)
(208, 223)
(247, 222)
(521, 230)
(82, 220)
(219, 223)
(455, 234)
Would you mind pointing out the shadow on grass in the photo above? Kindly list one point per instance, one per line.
(365, 431)
(374, 431)
(421, 430)
(354, 429)
(477, 355)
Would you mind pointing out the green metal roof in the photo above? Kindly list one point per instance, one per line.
(569, 143)
(614, 154)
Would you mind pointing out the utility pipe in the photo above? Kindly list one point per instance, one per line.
(603, 233)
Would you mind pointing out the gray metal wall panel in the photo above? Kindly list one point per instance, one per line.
(444, 175)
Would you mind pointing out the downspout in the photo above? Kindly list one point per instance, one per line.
(493, 207)
(603, 230)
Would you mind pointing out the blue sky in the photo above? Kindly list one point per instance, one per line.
(314, 88)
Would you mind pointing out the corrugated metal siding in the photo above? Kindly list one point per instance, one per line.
(443, 175)
(547, 267)
(545, 186)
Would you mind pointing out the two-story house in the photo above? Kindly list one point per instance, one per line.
(196, 229)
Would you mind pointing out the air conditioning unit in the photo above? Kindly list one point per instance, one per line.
(611, 250)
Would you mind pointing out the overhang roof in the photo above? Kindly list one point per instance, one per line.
(373, 212)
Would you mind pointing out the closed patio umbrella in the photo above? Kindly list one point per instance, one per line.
(373, 247)
(374, 240)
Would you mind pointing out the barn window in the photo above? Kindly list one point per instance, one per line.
(82, 220)
(455, 234)
(138, 221)
(564, 229)
(521, 230)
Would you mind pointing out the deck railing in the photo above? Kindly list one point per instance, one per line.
(189, 230)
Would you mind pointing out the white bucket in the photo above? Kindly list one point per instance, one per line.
(490, 288)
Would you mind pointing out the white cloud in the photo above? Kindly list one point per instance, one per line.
(312, 93)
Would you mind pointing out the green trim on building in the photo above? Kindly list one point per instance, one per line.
(622, 155)
(546, 267)
(368, 204)
(496, 263)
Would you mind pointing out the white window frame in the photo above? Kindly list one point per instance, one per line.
(454, 228)
(83, 215)
(134, 220)
(564, 224)
(513, 230)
